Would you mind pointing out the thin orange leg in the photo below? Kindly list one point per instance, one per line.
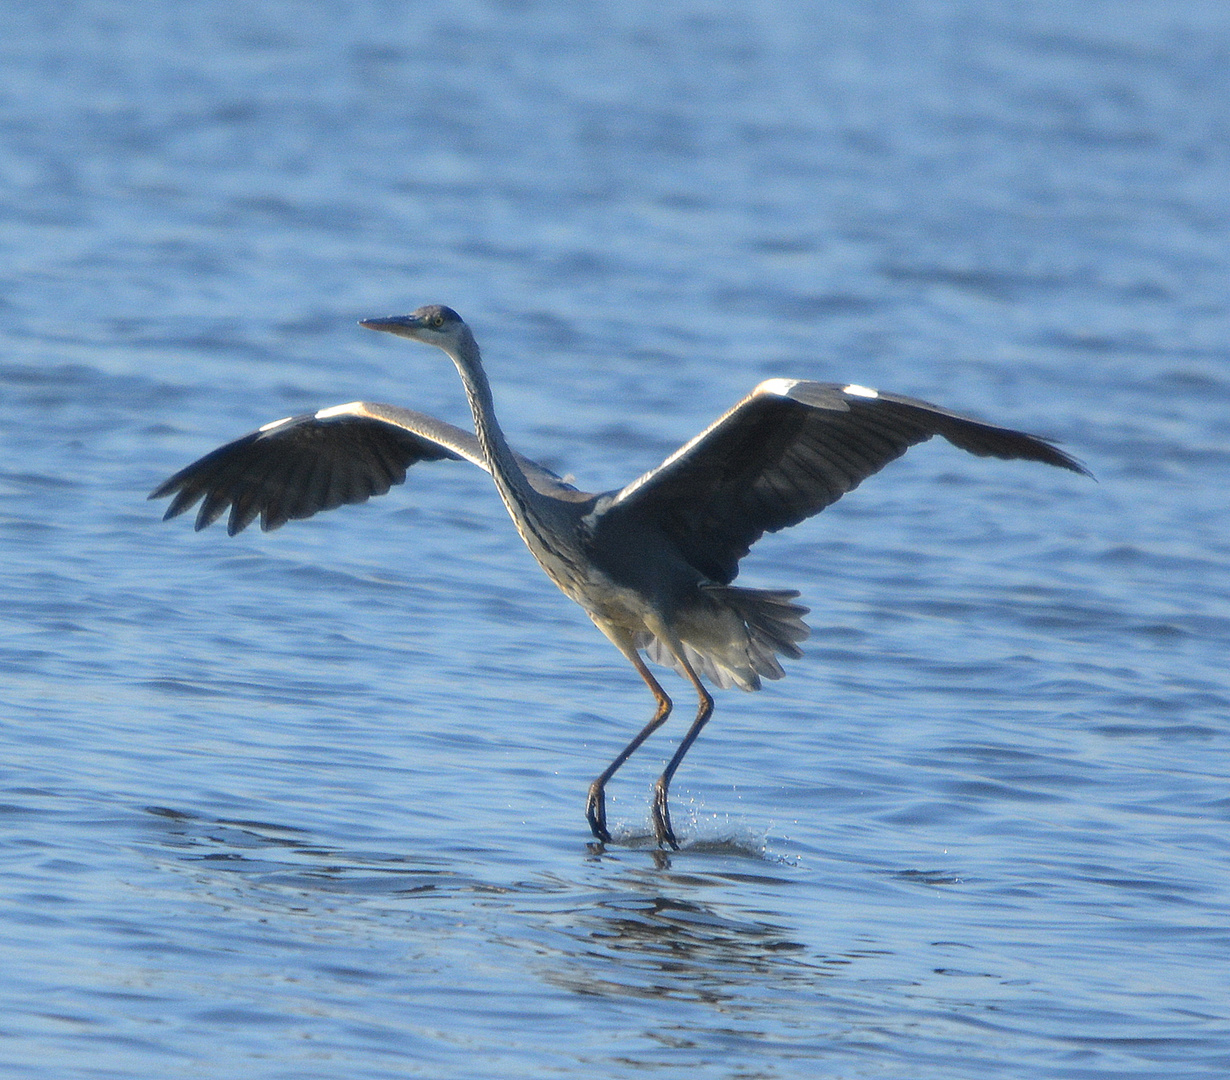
(595, 804)
(661, 809)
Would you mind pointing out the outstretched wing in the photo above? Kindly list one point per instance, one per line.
(785, 452)
(294, 468)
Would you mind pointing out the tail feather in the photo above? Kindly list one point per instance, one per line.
(768, 623)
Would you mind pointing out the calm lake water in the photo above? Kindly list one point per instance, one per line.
(308, 804)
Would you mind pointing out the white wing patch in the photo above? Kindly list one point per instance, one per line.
(778, 387)
(854, 390)
(351, 408)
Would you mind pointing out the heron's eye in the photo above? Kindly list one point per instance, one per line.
(437, 320)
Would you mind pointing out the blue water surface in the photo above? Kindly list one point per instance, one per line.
(309, 804)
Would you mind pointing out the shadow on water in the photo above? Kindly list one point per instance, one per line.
(269, 856)
(719, 953)
(629, 922)
(652, 942)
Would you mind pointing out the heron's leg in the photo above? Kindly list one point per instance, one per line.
(661, 808)
(595, 804)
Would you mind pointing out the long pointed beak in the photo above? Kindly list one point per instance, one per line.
(402, 325)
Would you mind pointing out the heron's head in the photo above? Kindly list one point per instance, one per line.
(434, 324)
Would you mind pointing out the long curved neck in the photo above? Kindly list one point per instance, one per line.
(521, 499)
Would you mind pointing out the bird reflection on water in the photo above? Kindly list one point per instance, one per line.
(652, 564)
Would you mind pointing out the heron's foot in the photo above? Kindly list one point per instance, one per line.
(595, 811)
(662, 816)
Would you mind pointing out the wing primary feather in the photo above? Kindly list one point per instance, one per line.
(786, 452)
(306, 496)
(244, 510)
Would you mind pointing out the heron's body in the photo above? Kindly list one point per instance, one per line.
(652, 564)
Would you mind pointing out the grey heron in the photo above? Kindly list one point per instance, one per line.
(652, 564)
